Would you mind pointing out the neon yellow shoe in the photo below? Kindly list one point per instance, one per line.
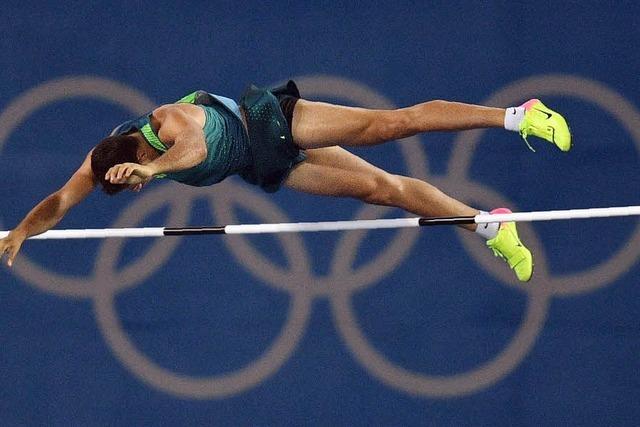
(507, 245)
(544, 123)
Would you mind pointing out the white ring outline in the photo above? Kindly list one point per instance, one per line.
(560, 85)
(25, 105)
(215, 386)
(339, 296)
(257, 371)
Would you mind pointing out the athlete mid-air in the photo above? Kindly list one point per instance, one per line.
(275, 138)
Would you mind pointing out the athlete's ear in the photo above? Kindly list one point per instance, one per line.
(141, 155)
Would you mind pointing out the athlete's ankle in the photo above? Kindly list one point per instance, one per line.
(488, 230)
(513, 116)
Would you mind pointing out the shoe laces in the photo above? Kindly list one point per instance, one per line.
(524, 136)
(498, 254)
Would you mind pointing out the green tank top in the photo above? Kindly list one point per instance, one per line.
(228, 150)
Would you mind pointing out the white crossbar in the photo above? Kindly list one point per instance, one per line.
(299, 227)
(97, 233)
(302, 227)
(559, 214)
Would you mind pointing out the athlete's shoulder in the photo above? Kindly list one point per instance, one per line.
(165, 109)
(173, 119)
(173, 114)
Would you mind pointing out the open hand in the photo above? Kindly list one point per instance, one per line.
(129, 173)
(9, 247)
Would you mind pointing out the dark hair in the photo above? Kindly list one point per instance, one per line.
(111, 151)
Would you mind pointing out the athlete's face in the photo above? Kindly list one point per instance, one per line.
(145, 153)
(142, 155)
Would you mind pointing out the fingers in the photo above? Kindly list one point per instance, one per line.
(124, 173)
(111, 174)
(12, 256)
(119, 174)
(9, 253)
(10, 246)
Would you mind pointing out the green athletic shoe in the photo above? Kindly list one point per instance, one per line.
(507, 245)
(544, 123)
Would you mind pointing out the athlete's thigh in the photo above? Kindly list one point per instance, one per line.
(333, 171)
(319, 124)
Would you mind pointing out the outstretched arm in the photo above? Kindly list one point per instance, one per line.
(50, 211)
(188, 150)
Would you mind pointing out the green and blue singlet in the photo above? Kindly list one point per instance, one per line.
(263, 153)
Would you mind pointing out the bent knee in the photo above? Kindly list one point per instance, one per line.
(395, 124)
(390, 125)
(385, 189)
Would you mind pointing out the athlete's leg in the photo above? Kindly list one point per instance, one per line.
(318, 124)
(333, 171)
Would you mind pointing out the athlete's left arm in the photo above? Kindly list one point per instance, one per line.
(188, 150)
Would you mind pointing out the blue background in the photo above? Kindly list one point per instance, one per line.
(438, 313)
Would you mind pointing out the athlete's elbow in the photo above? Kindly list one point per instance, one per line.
(60, 202)
(53, 208)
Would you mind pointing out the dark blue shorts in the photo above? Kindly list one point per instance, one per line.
(269, 114)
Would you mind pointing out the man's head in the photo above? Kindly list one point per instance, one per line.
(114, 150)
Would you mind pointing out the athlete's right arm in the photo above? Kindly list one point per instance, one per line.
(50, 211)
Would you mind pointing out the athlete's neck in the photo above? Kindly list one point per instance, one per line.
(146, 153)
